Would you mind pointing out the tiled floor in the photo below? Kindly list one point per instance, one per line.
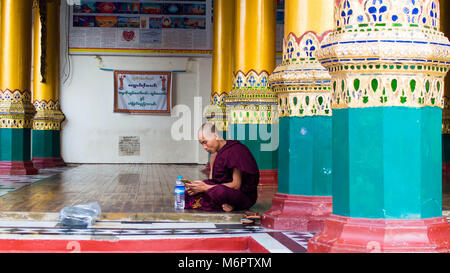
(116, 231)
(136, 201)
(9, 183)
(118, 188)
(121, 190)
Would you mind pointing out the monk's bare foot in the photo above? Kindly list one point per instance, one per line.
(227, 208)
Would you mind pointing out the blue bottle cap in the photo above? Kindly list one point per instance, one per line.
(180, 177)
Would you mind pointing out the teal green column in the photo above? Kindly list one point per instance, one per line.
(15, 144)
(387, 162)
(387, 100)
(46, 87)
(260, 139)
(251, 103)
(46, 135)
(303, 88)
(46, 143)
(387, 60)
(305, 165)
(302, 85)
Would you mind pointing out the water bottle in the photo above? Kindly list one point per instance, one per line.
(179, 194)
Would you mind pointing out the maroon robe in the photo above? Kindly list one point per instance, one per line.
(232, 155)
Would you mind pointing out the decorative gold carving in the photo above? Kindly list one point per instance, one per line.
(48, 115)
(252, 114)
(16, 110)
(301, 82)
(386, 53)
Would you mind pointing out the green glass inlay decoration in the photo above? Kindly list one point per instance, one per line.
(412, 84)
(374, 84)
(394, 85)
(320, 99)
(356, 84)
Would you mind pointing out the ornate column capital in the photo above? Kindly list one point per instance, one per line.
(48, 115)
(251, 87)
(301, 82)
(16, 110)
(386, 53)
(251, 99)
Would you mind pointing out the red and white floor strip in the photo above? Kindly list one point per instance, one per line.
(117, 236)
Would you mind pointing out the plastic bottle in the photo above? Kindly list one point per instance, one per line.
(179, 194)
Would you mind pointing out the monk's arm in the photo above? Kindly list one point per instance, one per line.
(237, 180)
(200, 186)
(211, 164)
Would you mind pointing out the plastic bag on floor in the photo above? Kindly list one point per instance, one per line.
(80, 216)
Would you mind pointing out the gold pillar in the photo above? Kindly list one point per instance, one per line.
(251, 104)
(16, 110)
(251, 97)
(46, 92)
(303, 87)
(16, 40)
(300, 81)
(222, 61)
(15, 62)
(48, 118)
(305, 15)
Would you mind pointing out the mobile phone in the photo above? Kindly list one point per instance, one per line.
(185, 181)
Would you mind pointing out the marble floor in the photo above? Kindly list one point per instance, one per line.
(131, 190)
(9, 183)
(137, 204)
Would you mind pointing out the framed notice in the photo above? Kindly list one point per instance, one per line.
(142, 92)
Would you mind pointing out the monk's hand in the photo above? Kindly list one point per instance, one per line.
(198, 187)
(188, 189)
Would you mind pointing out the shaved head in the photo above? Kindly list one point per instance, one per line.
(209, 130)
(210, 138)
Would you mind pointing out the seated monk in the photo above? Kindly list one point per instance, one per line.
(233, 179)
